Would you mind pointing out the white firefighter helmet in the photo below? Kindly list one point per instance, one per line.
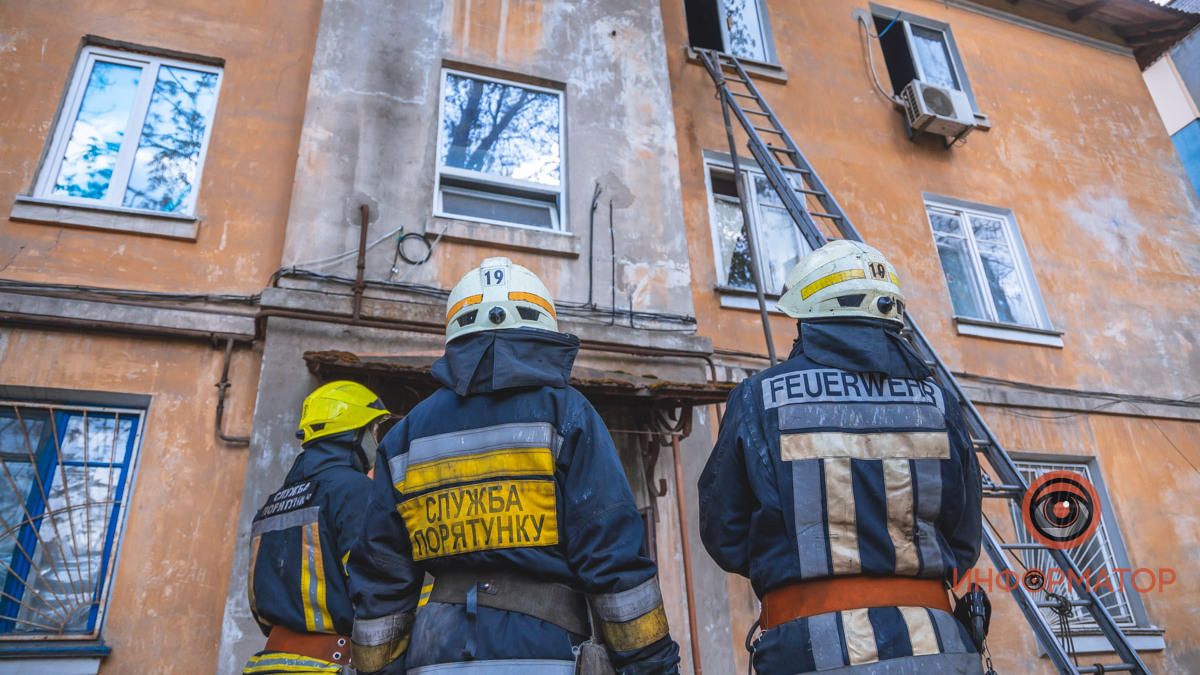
(497, 295)
(843, 278)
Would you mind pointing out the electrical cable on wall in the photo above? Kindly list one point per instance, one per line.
(862, 20)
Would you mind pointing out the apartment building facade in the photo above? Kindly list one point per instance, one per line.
(351, 160)
(146, 159)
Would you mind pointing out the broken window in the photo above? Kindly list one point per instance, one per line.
(64, 475)
(500, 152)
(779, 240)
(738, 27)
(133, 133)
(916, 48)
(985, 266)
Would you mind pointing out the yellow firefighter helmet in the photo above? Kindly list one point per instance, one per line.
(338, 407)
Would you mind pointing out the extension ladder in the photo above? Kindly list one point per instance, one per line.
(808, 201)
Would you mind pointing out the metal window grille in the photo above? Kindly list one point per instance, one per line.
(1095, 558)
(64, 480)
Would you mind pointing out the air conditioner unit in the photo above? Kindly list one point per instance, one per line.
(937, 110)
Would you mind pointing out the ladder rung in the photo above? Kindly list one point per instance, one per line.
(1107, 668)
(1006, 491)
(769, 131)
(1023, 547)
(820, 214)
(792, 169)
(734, 93)
(1048, 604)
(981, 445)
(755, 112)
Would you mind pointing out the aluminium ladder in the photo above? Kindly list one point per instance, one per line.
(809, 202)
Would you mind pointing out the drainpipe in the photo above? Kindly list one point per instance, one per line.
(685, 537)
(222, 388)
(364, 212)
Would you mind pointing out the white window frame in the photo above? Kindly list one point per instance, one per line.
(1012, 234)
(749, 172)
(502, 187)
(955, 64)
(115, 195)
(1112, 547)
(768, 38)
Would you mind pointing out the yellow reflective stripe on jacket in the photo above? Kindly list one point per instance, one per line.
(491, 464)
(831, 279)
(312, 581)
(267, 663)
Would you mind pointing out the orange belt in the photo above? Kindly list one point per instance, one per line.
(838, 594)
(324, 646)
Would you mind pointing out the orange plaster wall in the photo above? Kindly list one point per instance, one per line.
(247, 179)
(168, 596)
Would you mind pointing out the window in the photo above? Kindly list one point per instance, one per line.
(985, 265)
(916, 48)
(500, 152)
(64, 481)
(133, 133)
(779, 240)
(1099, 557)
(738, 27)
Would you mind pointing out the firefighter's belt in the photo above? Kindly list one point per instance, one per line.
(553, 603)
(839, 594)
(324, 646)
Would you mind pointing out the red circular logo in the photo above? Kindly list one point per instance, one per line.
(1061, 509)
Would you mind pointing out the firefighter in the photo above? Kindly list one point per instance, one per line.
(844, 485)
(302, 535)
(505, 486)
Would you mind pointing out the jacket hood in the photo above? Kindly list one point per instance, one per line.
(861, 346)
(324, 453)
(506, 359)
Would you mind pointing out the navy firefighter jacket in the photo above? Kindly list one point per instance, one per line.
(301, 536)
(506, 468)
(845, 459)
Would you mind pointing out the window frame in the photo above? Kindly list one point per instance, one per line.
(89, 55)
(771, 57)
(127, 462)
(1089, 466)
(503, 189)
(1021, 262)
(909, 20)
(750, 170)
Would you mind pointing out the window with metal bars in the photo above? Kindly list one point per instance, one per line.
(1098, 558)
(65, 475)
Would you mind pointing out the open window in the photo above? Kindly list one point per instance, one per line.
(926, 73)
(738, 27)
(500, 152)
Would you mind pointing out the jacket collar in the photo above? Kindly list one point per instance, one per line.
(861, 346)
(506, 359)
(324, 453)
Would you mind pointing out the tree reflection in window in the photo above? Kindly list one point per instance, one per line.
(745, 28)
(501, 129)
(168, 154)
(91, 151)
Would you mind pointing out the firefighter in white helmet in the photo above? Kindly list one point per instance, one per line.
(506, 487)
(844, 485)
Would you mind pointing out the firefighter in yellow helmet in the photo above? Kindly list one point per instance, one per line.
(302, 535)
(844, 485)
(506, 487)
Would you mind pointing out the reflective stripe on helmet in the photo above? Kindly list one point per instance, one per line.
(471, 300)
(535, 299)
(831, 279)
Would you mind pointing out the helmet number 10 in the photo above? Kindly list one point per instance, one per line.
(493, 277)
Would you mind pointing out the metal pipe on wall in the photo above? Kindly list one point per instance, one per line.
(685, 539)
(222, 389)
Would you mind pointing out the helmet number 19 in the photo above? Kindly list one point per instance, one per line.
(493, 277)
(878, 271)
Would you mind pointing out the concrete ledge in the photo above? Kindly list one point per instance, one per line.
(114, 219)
(114, 315)
(1008, 333)
(759, 70)
(536, 240)
(51, 666)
